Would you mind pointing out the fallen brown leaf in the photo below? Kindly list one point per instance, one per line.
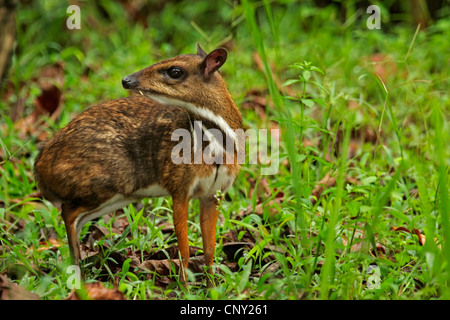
(401, 228)
(96, 291)
(232, 265)
(379, 252)
(50, 244)
(356, 243)
(50, 81)
(420, 236)
(12, 291)
(164, 267)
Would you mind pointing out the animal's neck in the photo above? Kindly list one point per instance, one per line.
(222, 114)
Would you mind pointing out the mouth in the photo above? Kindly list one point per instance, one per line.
(148, 93)
(139, 92)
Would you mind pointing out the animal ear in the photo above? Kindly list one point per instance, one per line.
(213, 61)
(200, 51)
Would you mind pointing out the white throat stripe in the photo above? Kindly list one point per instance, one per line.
(202, 112)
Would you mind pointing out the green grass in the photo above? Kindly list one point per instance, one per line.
(384, 140)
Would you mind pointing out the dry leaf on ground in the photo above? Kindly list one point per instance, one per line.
(164, 267)
(96, 291)
(12, 291)
(415, 231)
(50, 81)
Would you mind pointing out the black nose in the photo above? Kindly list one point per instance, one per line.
(129, 82)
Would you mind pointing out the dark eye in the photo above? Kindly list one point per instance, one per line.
(175, 72)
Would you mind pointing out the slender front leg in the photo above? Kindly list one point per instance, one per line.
(208, 220)
(180, 213)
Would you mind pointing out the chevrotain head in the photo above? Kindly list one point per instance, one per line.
(189, 81)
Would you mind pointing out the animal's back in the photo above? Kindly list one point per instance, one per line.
(114, 147)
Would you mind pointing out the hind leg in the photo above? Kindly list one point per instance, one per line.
(69, 215)
(180, 213)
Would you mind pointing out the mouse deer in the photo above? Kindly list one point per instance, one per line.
(121, 151)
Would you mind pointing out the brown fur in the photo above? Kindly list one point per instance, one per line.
(121, 146)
